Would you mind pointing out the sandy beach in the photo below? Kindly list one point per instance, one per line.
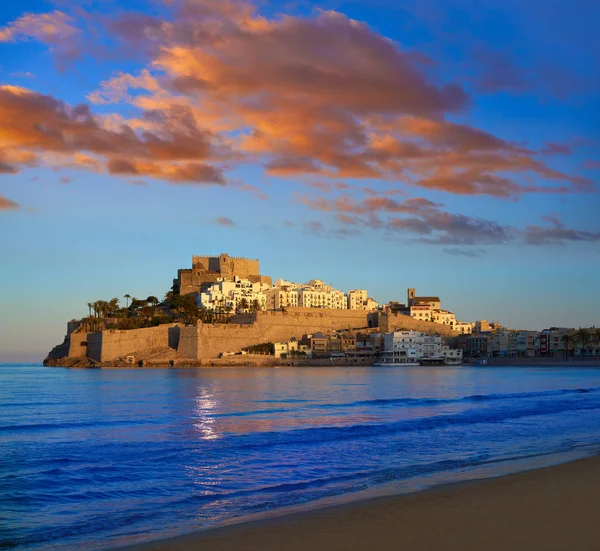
(554, 508)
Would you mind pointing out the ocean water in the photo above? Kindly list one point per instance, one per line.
(96, 459)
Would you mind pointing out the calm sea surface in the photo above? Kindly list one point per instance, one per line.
(93, 459)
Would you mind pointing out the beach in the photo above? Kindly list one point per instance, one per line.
(554, 508)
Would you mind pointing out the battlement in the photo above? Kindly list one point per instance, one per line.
(208, 269)
(222, 254)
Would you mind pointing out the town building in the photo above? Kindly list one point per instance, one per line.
(284, 294)
(357, 299)
(434, 302)
(452, 355)
(317, 294)
(233, 296)
(410, 346)
(444, 317)
(463, 327)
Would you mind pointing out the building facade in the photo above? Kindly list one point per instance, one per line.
(410, 346)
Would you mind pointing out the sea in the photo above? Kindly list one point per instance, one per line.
(94, 459)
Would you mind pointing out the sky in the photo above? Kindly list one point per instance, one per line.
(452, 146)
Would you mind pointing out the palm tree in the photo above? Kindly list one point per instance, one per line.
(582, 336)
(90, 305)
(256, 305)
(567, 340)
(596, 335)
(97, 306)
(113, 305)
(243, 304)
(127, 297)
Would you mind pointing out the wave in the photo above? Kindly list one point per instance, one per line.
(412, 402)
(77, 425)
(469, 417)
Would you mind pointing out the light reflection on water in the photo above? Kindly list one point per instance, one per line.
(93, 458)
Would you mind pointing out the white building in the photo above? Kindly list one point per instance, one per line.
(283, 294)
(463, 327)
(452, 355)
(410, 346)
(422, 312)
(285, 348)
(357, 299)
(230, 296)
(444, 317)
(317, 294)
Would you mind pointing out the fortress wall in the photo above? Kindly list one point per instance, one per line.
(206, 341)
(78, 345)
(109, 345)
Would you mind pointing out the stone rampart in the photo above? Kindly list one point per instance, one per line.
(108, 345)
(206, 341)
(78, 345)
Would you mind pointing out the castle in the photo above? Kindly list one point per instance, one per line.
(210, 269)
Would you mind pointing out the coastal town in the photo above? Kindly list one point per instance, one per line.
(222, 310)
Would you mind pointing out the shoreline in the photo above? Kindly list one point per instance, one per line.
(249, 361)
(545, 508)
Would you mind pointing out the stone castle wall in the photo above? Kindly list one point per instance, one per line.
(109, 345)
(227, 266)
(206, 341)
(78, 345)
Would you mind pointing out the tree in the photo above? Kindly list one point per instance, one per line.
(256, 305)
(596, 335)
(567, 340)
(243, 304)
(90, 305)
(127, 297)
(582, 337)
(113, 306)
(152, 300)
(97, 305)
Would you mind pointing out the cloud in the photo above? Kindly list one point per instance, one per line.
(321, 95)
(224, 221)
(556, 233)
(7, 204)
(56, 28)
(22, 74)
(553, 148)
(498, 72)
(424, 221)
(167, 144)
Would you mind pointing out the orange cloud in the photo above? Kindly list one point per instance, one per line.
(322, 95)
(7, 204)
(170, 147)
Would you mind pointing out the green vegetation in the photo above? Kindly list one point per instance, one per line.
(263, 348)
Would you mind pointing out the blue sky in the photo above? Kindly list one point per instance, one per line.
(431, 167)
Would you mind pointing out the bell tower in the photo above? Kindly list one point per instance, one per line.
(411, 296)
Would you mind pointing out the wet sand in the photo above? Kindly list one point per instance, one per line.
(555, 508)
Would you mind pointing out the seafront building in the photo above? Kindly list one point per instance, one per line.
(410, 347)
